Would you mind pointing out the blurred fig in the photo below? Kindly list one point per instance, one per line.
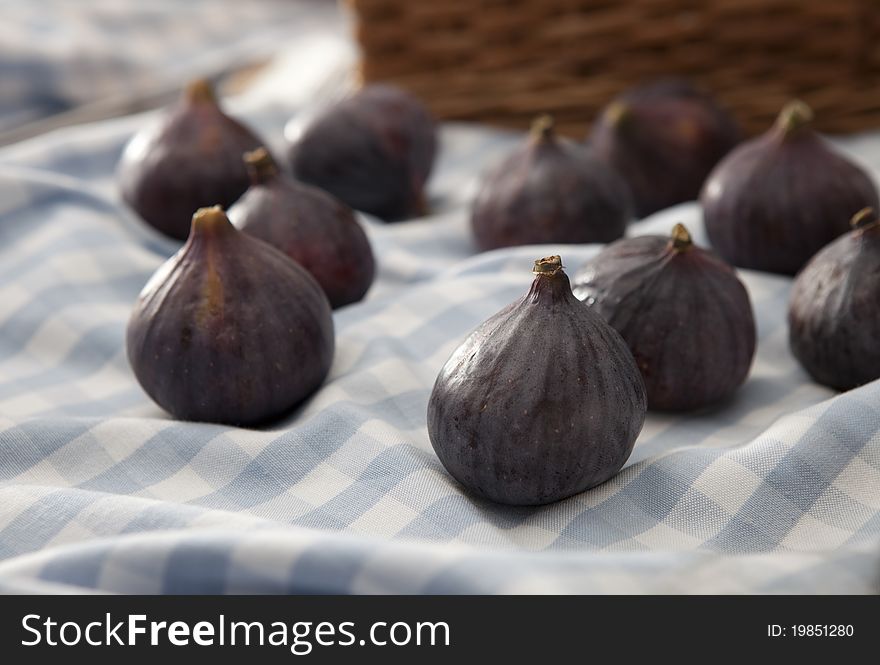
(683, 312)
(373, 151)
(776, 200)
(550, 190)
(834, 312)
(229, 329)
(663, 138)
(190, 159)
(309, 225)
(540, 402)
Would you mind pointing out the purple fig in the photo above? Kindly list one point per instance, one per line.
(309, 225)
(550, 190)
(373, 151)
(229, 329)
(663, 138)
(539, 403)
(834, 312)
(190, 159)
(776, 200)
(683, 312)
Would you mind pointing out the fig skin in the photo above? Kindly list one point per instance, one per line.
(834, 310)
(683, 312)
(190, 159)
(550, 190)
(373, 151)
(663, 138)
(776, 200)
(310, 226)
(539, 403)
(229, 330)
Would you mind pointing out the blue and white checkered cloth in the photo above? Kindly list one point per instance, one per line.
(57, 55)
(777, 491)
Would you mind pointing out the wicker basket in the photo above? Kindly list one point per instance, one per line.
(504, 61)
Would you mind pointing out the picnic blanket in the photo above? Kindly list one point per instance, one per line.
(57, 56)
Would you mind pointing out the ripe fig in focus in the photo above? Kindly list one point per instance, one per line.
(541, 402)
(229, 329)
(683, 312)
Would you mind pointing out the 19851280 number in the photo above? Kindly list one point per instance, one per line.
(821, 630)
(810, 630)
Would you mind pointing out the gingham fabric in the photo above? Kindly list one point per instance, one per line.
(778, 490)
(56, 55)
(775, 491)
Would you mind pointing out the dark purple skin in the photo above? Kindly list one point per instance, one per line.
(539, 403)
(663, 138)
(229, 330)
(683, 312)
(834, 311)
(310, 226)
(776, 200)
(189, 160)
(373, 151)
(550, 190)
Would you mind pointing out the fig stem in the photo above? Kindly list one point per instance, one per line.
(542, 127)
(200, 90)
(207, 219)
(681, 238)
(616, 113)
(260, 165)
(794, 116)
(865, 219)
(549, 265)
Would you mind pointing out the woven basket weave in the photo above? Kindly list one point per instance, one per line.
(504, 61)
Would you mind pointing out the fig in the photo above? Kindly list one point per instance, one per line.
(549, 190)
(190, 159)
(309, 225)
(229, 329)
(541, 402)
(776, 200)
(663, 138)
(834, 311)
(373, 151)
(683, 312)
